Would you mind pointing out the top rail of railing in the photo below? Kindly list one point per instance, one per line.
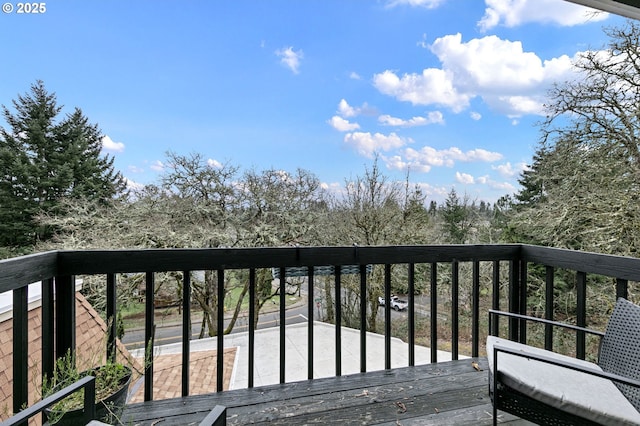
(18, 272)
(21, 271)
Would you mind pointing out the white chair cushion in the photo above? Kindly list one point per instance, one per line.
(575, 392)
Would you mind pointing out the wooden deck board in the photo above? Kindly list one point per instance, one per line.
(445, 393)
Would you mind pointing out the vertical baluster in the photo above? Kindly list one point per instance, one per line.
(338, 312)
(622, 288)
(581, 313)
(310, 316)
(186, 330)
(282, 324)
(149, 332)
(475, 316)
(111, 317)
(252, 327)
(495, 298)
(363, 318)
(411, 327)
(20, 349)
(523, 301)
(48, 354)
(514, 297)
(65, 316)
(387, 316)
(548, 307)
(220, 333)
(455, 321)
(252, 320)
(434, 312)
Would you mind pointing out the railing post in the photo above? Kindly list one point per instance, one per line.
(48, 318)
(282, 320)
(475, 306)
(310, 316)
(622, 288)
(363, 318)
(455, 301)
(20, 349)
(186, 330)
(411, 327)
(548, 307)
(581, 313)
(65, 316)
(434, 312)
(523, 301)
(387, 316)
(514, 297)
(338, 312)
(495, 297)
(149, 332)
(111, 317)
(220, 333)
(252, 327)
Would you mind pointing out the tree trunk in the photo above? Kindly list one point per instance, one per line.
(329, 300)
(237, 309)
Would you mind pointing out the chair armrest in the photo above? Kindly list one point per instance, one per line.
(560, 363)
(493, 312)
(89, 402)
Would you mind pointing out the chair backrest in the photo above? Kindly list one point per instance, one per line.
(620, 350)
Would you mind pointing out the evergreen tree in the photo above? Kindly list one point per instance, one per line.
(457, 217)
(43, 160)
(581, 191)
(531, 182)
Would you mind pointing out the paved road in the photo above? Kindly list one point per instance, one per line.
(134, 339)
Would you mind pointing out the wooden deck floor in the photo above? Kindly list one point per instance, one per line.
(451, 393)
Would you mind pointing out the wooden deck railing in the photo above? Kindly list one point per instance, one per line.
(508, 266)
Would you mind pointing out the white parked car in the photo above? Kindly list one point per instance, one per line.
(395, 303)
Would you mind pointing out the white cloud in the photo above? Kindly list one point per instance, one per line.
(425, 158)
(346, 110)
(475, 115)
(478, 154)
(432, 87)
(334, 188)
(135, 169)
(214, 163)
(367, 144)
(354, 76)
(509, 79)
(132, 185)
(464, 178)
(512, 13)
(508, 171)
(158, 166)
(434, 117)
(429, 4)
(502, 186)
(430, 190)
(290, 58)
(342, 124)
(423, 42)
(488, 63)
(110, 145)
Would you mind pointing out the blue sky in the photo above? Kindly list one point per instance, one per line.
(449, 89)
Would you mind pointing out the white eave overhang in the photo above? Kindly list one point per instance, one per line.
(628, 8)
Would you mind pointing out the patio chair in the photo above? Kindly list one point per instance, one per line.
(549, 388)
